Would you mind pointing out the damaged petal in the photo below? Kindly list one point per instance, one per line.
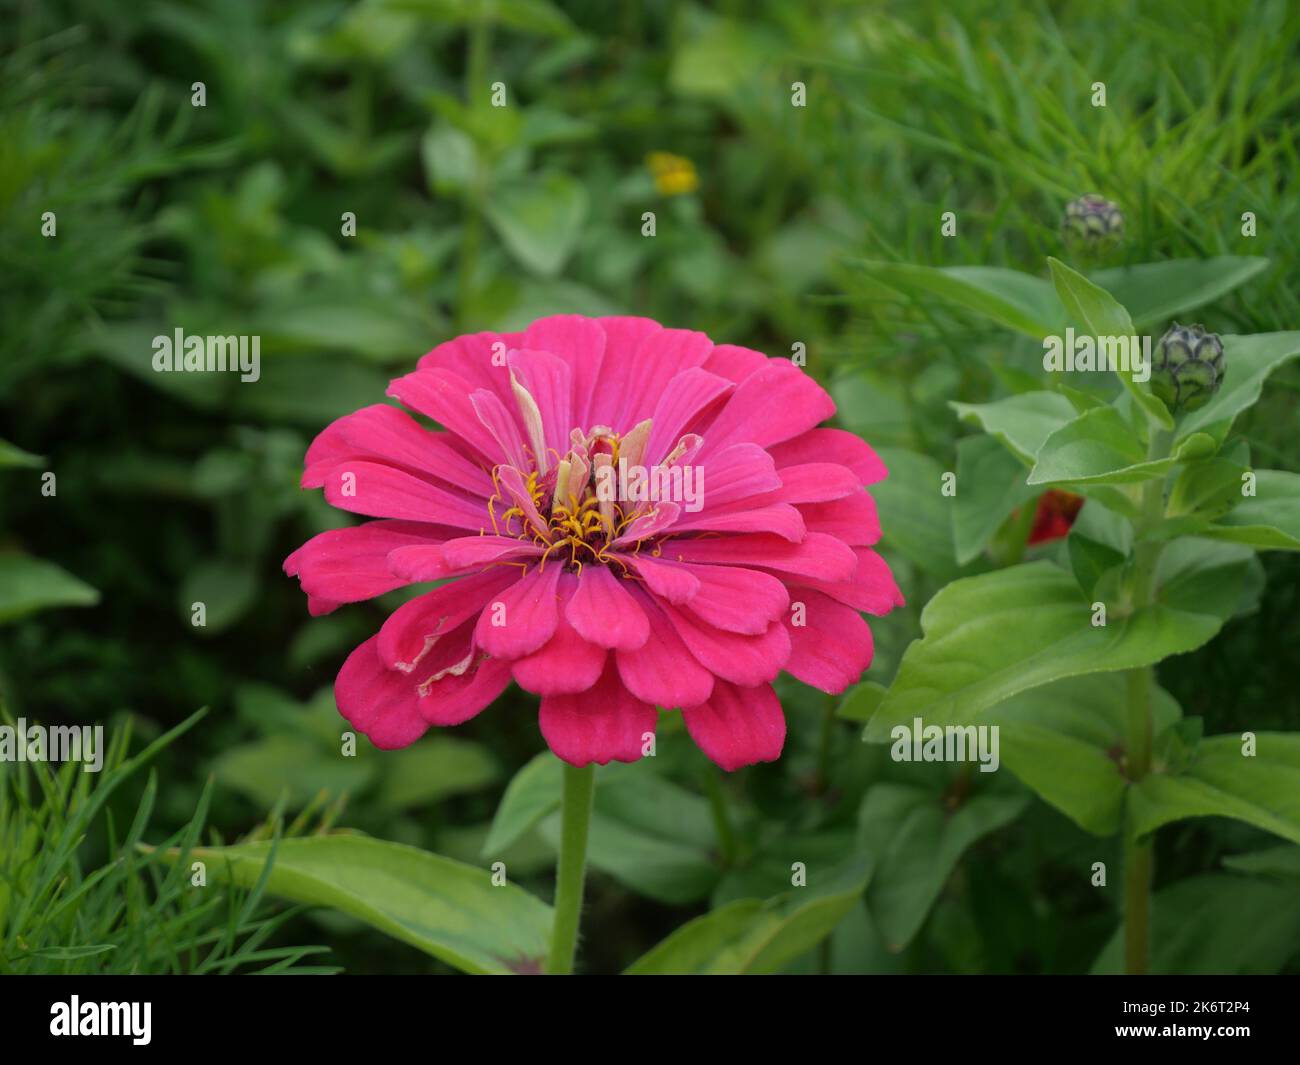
(532, 416)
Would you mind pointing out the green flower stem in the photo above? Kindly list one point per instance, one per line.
(575, 812)
(1139, 859)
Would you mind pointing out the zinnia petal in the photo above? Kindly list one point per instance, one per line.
(663, 671)
(604, 612)
(566, 663)
(607, 724)
(830, 644)
(380, 703)
(349, 565)
(523, 617)
(738, 726)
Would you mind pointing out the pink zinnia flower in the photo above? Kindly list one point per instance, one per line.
(606, 609)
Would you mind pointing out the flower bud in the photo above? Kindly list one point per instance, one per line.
(1093, 221)
(1188, 367)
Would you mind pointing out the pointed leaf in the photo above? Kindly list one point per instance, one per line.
(1249, 361)
(915, 842)
(1154, 293)
(1262, 789)
(1100, 447)
(539, 220)
(749, 936)
(532, 794)
(990, 637)
(1013, 299)
(916, 518)
(1216, 925)
(1066, 740)
(990, 485)
(1269, 520)
(1098, 311)
(445, 908)
(30, 584)
(1021, 422)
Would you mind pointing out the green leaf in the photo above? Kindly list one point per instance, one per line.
(494, 132)
(532, 794)
(720, 61)
(11, 456)
(990, 485)
(307, 390)
(1153, 293)
(870, 404)
(915, 842)
(1261, 789)
(1091, 560)
(1216, 925)
(380, 330)
(539, 220)
(445, 908)
(1096, 309)
(1105, 526)
(913, 512)
(1021, 422)
(990, 637)
(1176, 746)
(1283, 861)
(296, 766)
(1101, 447)
(30, 584)
(450, 158)
(1209, 488)
(1099, 443)
(860, 702)
(748, 936)
(528, 16)
(432, 770)
(1065, 741)
(1268, 520)
(1013, 299)
(1208, 577)
(128, 347)
(654, 837)
(226, 590)
(71, 953)
(543, 126)
(1249, 361)
(829, 857)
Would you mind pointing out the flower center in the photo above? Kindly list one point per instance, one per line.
(569, 508)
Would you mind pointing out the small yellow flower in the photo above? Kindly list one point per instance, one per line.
(674, 174)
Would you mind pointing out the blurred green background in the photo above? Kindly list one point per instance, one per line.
(228, 219)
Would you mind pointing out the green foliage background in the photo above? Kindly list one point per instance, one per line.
(226, 219)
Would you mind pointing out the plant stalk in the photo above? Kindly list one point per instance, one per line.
(1139, 857)
(571, 872)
